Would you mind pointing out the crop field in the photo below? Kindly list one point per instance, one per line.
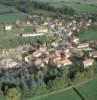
(81, 1)
(83, 7)
(68, 95)
(9, 14)
(89, 90)
(43, 12)
(77, 5)
(88, 35)
(11, 39)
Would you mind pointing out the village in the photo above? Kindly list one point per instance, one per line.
(66, 50)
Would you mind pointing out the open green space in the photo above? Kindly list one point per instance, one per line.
(90, 34)
(83, 7)
(9, 14)
(78, 7)
(68, 95)
(82, 1)
(11, 39)
(43, 12)
(89, 90)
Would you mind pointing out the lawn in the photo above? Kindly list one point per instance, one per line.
(90, 34)
(64, 95)
(89, 90)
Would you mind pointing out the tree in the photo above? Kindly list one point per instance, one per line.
(1, 95)
(13, 94)
(23, 84)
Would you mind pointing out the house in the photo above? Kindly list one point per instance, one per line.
(37, 54)
(66, 62)
(77, 53)
(46, 60)
(57, 59)
(58, 52)
(74, 21)
(87, 63)
(83, 45)
(8, 63)
(28, 58)
(39, 63)
(8, 27)
(93, 54)
(70, 33)
(75, 40)
(28, 22)
(67, 53)
(54, 44)
(41, 29)
(93, 44)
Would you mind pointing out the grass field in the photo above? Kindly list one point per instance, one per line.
(11, 39)
(89, 90)
(43, 12)
(88, 35)
(83, 7)
(82, 1)
(77, 7)
(9, 14)
(68, 95)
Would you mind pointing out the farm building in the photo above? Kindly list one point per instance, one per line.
(8, 27)
(83, 45)
(31, 34)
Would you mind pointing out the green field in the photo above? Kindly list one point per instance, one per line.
(89, 90)
(83, 7)
(9, 14)
(77, 7)
(11, 39)
(68, 95)
(43, 12)
(53, 1)
(88, 35)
